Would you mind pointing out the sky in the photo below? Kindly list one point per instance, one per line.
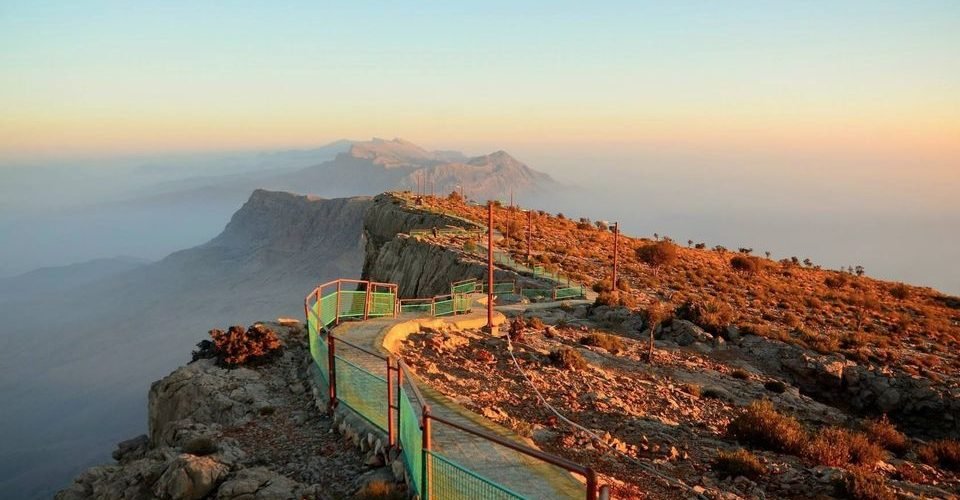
(95, 79)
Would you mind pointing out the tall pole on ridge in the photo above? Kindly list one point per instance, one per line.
(490, 327)
(529, 232)
(616, 252)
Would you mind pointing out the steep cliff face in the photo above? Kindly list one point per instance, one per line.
(419, 268)
(117, 335)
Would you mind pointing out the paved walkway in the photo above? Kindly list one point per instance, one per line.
(526, 476)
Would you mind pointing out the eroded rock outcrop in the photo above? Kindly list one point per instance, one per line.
(244, 433)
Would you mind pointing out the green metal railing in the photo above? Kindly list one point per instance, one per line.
(364, 392)
(569, 293)
(398, 408)
(450, 480)
(411, 440)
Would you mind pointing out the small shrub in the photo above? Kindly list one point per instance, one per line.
(738, 463)
(837, 447)
(861, 484)
(885, 434)
(517, 330)
(944, 453)
(740, 374)
(569, 358)
(469, 246)
(775, 386)
(714, 393)
(743, 264)
(763, 426)
(237, 346)
(201, 446)
(692, 389)
(614, 299)
(536, 323)
(900, 291)
(610, 343)
(379, 490)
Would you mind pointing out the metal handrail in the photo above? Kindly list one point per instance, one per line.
(361, 349)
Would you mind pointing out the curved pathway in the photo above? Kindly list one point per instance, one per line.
(520, 473)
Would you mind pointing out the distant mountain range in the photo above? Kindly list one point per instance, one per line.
(378, 165)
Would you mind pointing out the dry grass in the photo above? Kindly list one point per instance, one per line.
(885, 434)
(838, 447)
(569, 358)
(861, 484)
(379, 490)
(827, 307)
(944, 453)
(610, 343)
(761, 425)
(738, 463)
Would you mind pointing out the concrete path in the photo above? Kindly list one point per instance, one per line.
(525, 476)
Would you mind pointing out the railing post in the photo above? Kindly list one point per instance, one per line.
(391, 432)
(337, 316)
(425, 472)
(399, 395)
(396, 304)
(591, 484)
(604, 492)
(366, 302)
(332, 369)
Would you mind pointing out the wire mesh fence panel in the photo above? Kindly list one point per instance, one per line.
(450, 481)
(382, 303)
(411, 440)
(415, 308)
(468, 287)
(364, 392)
(461, 303)
(313, 327)
(328, 309)
(504, 287)
(443, 307)
(320, 358)
(532, 293)
(571, 292)
(352, 303)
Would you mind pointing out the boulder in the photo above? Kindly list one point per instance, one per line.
(189, 477)
(258, 483)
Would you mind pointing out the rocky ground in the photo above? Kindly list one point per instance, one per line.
(663, 423)
(244, 433)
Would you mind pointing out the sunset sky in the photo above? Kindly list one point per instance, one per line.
(852, 77)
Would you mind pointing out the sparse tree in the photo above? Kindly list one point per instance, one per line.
(720, 249)
(746, 251)
(689, 243)
(657, 255)
(656, 237)
(767, 253)
(859, 270)
(807, 262)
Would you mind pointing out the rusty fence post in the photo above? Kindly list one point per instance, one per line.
(366, 301)
(337, 316)
(591, 484)
(425, 473)
(391, 432)
(332, 369)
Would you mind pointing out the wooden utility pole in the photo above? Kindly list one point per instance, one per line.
(616, 252)
(529, 232)
(490, 326)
